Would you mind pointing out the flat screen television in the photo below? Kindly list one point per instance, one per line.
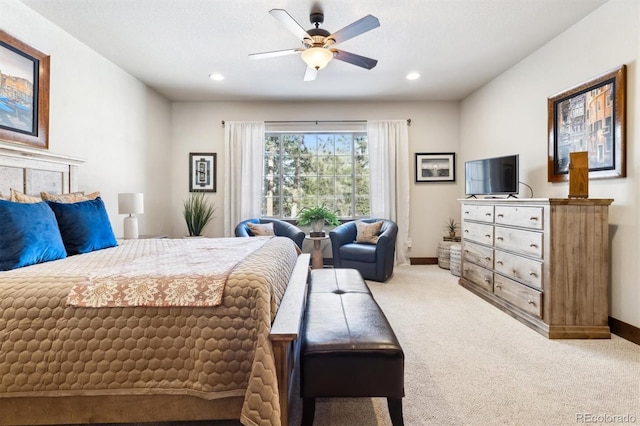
(492, 176)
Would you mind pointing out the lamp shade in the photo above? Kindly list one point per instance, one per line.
(131, 203)
(317, 57)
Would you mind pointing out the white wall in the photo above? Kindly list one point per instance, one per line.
(434, 128)
(100, 113)
(509, 115)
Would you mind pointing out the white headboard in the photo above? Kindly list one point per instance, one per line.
(32, 171)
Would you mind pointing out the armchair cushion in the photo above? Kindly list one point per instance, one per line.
(359, 252)
(261, 229)
(368, 233)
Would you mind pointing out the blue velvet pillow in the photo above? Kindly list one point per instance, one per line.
(29, 234)
(84, 226)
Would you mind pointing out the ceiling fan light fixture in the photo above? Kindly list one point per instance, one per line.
(317, 57)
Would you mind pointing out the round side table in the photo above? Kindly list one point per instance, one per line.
(316, 254)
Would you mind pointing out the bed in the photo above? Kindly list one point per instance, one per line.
(65, 361)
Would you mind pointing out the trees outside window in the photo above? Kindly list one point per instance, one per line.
(310, 169)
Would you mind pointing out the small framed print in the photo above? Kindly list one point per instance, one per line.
(435, 167)
(202, 172)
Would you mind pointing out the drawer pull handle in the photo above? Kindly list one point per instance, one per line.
(533, 274)
(466, 230)
(466, 251)
(487, 258)
(499, 262)
(531, 302)
(500, 215)
(499, 238)
(487, 280)
(466, 212)
(498, 286)
(487, 235)
(533, 245)
(487, 214)
(533, 218)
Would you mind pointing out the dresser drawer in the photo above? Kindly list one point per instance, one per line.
(475, 253)
(520, 241)
(478, 275)
(526, 217)
(520, 268)
(477, 212)
(478, 232)
(525, 298)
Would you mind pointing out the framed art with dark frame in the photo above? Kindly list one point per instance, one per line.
(590, 117)
(435, 167)
(24, 93)
(202, 172)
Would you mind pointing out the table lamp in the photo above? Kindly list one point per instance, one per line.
(131, 204)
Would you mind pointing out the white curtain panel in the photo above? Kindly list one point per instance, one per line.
(244, 144)
(389, 180)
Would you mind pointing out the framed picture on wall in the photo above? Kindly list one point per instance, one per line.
(590, 117)
(202, 172)
(435, 167)
(24, 93)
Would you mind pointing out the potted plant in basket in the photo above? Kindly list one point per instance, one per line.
(197, 212)
(451, 227)
(317, 217)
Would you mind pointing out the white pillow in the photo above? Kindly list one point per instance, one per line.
(261, 229)
(368, 233)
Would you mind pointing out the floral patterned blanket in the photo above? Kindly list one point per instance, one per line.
(174, 277)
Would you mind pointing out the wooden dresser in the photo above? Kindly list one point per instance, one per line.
(545, 262)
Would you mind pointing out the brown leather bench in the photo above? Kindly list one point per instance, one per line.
(348, 347)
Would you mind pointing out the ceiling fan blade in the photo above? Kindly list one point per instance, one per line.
(290, 23)
(354, 29)
(310, 74)
(274, 53)
(352, 58)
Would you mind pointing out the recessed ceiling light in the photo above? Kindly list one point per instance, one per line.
(216, 77)
(413, 76)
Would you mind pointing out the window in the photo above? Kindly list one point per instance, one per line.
(308, 169)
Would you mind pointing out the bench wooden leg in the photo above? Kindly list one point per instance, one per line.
(395, 411)
(308, 411)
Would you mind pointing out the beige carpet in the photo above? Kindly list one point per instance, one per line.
(468, 363)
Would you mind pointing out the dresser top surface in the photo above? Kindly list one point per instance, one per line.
(548, 201)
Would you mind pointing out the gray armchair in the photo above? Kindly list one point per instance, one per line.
(374, 261)
(280, 228)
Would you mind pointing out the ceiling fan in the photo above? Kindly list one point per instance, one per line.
(318, 50)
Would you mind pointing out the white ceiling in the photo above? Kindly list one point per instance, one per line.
(173, 45)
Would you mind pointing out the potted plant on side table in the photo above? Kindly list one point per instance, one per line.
(197, 212)
(451, 227)
(317, 217)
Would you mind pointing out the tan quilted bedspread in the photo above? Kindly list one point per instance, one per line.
(50, 349)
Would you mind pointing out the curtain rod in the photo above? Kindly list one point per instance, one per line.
(321, 121)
